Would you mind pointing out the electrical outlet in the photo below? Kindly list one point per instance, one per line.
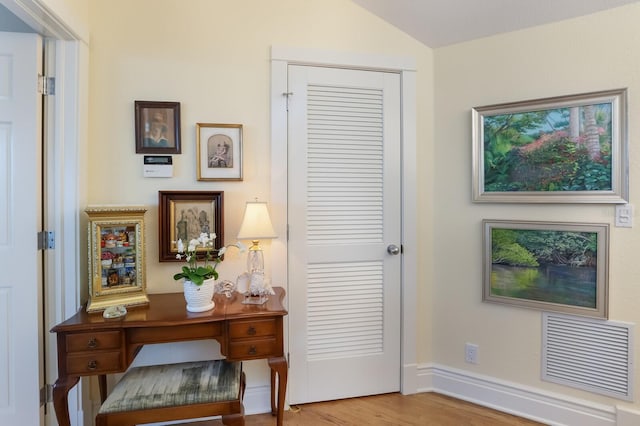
(471, 353)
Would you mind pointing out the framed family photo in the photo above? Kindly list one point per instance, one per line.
(157, 127)
(185, 215)
(219, 151)
(551, 266)
(569, 149)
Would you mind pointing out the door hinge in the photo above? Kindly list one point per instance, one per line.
(46, 240)
(46, 394)
(46, 85)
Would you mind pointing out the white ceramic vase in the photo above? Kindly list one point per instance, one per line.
(199, 297)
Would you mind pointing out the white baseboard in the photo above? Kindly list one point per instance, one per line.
(530, 403)
(257, 400)
(627, 417)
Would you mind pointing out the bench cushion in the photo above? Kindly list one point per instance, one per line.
(171, 385)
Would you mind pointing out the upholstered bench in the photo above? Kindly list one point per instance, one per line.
(174, 392)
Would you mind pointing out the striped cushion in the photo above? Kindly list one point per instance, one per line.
(173, 385)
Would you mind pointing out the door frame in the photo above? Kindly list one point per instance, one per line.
(281, 58)
(66, 40)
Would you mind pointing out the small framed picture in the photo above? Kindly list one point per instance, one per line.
(219, 151)
(157, 126)
(184, 215)
(116, 257)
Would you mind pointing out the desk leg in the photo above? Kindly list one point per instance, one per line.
(102, 385)
(61, 398)
(278, 365)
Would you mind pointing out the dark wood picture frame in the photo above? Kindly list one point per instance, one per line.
(157, 127)
(186, 214)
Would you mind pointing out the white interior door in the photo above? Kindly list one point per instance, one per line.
(20, 220)
(344, 212)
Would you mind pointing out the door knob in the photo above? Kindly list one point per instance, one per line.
(393, 249)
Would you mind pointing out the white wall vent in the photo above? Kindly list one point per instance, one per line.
(588, 354)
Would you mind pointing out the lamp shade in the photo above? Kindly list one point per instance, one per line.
(256, 224)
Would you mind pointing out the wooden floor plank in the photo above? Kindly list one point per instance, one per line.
(422, 409)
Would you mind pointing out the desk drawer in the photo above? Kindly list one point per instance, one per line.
(252, 328)
(174, 333)
(95, 363)
(254, 348)
(78, 342)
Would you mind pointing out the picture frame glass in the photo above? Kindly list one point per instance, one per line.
(120, 263)
(158, 124)
(189, 219)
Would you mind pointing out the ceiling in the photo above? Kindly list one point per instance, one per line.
(438, 23)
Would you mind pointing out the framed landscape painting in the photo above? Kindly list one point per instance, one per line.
(569, 149)
(551, 266)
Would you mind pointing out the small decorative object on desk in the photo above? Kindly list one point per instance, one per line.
(242, 282)
(259, 290)
(225, 287)
(195, 275)
(115, 311)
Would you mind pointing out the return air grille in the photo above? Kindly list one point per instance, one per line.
(588, 354)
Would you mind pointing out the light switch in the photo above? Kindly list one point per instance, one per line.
(624, 215)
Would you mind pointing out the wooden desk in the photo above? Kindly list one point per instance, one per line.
(89, 345)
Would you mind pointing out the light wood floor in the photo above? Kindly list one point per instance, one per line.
(423, 409)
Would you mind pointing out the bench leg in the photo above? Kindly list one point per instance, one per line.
(234, 419)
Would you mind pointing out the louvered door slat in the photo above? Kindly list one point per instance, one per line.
(360, 113)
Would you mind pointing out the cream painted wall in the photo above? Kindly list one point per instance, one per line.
(75, 14)
(591, 53)
(213, 57)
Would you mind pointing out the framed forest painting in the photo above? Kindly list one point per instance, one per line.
(551, 266)
(569, 149)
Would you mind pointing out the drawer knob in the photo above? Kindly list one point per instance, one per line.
(92, 365)
(92, 343)
(252, 350)
(251, 331)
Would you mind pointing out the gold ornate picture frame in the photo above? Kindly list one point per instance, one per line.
(116, 257)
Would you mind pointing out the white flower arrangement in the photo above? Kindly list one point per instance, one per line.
(199, 273)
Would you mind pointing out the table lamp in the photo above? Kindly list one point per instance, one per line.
(256, 226)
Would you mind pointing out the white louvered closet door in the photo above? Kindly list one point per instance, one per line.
(344, 211)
